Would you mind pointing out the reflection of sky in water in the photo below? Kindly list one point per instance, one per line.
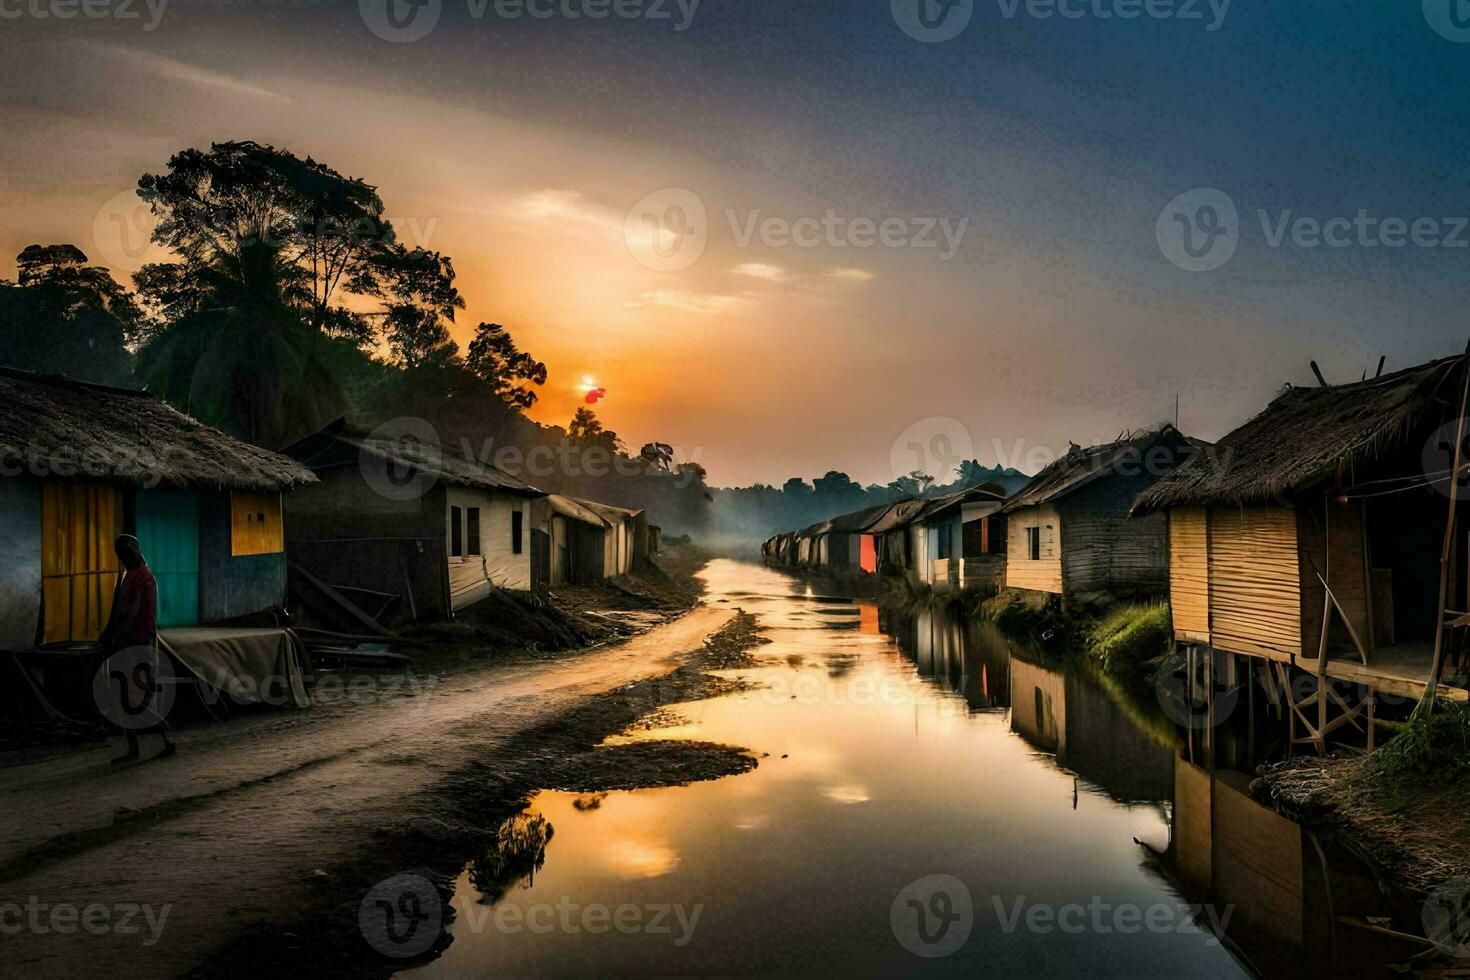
(887, 778)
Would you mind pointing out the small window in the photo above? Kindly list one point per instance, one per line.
(472, 531)
(456, 532)
(1033, 543)
(255, 524)
(517, 531)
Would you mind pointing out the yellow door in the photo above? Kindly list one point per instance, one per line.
(78, 565)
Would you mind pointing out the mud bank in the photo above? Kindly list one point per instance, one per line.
(477, 813)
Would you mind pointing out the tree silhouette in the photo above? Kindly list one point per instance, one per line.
(62, 316)
(494, 357)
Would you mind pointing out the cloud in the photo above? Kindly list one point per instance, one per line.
(686, 302)
(180, 71)
(850, 274)
(760, 270)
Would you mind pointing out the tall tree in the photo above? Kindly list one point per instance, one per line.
(62, 316)
(585, 425)
(494, 357)
(419, 302)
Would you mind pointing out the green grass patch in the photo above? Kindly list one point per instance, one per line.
(1131, 635)
(1436, 749)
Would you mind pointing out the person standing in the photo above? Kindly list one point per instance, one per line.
(133, 626)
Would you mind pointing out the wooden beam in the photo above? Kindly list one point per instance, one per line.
(1318, 372)
(1431, 688)
(1381, 361)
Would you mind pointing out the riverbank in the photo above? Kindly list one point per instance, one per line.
(256, 835)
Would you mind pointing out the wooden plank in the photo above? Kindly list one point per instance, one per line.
(1189, 575)
(1254, 584)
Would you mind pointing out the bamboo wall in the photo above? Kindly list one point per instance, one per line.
(1189, 578)
(1255, 581)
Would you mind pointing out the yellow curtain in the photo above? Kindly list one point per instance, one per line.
(78, 565)
(255, 524)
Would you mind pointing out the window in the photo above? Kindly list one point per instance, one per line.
(472, 531)
(1033, 543)
(255, 524)
(456, 532)
(517, 531)
(78, 566)
(944, 533)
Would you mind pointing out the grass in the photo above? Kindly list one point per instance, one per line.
(1131, 635)
(1428, 750)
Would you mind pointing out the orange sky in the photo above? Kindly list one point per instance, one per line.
(761, 361)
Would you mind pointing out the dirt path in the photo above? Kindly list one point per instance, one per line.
(236, 830)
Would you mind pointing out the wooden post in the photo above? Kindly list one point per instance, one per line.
(1431, 689)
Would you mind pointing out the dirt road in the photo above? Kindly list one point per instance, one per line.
(145, 871)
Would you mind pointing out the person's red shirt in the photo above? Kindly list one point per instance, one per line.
(134, 619)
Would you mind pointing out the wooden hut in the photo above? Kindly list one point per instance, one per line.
(1312, 534)
(889, 534)
(81, 463)
(409, 518)
(1069, 531)
(627, 537)
(958, 540)
(578, 540)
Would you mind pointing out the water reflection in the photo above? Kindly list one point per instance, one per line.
(897, 747)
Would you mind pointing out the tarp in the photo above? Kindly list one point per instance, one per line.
(256, 666)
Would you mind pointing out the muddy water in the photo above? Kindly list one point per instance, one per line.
(924, 802)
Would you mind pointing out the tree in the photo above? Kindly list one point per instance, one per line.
(62, 316)
(322, 232)
(419, 296)
(796, 487)
(494, 357)
(585, 426)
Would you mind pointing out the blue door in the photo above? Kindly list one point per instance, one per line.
(168, 530)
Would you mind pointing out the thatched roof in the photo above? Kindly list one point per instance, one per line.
(1080, 467)
(1307, 436)
(57, 426)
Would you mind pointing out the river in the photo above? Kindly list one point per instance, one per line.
(928, 799)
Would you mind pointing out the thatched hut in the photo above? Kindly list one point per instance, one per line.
(409, 517)
(1317, 527)
(1069, 531)
(81, 463)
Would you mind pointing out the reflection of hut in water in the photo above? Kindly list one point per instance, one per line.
(1038, 705)
(1235, 853)
(1229, 851)
(1064, 711)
